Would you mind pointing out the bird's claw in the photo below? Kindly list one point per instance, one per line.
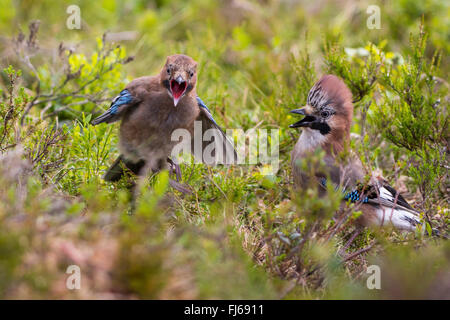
(179, 187)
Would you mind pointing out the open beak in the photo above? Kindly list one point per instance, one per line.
(307, 121)
(178, 88)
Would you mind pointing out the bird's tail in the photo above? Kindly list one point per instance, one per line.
(404, 219)
(117, 169)
(400, 218)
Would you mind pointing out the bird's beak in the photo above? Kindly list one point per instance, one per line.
(301, 111)
(307, 121)
(179, 79)
(178, 88)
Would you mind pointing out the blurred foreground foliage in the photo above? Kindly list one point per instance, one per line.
(240, 234)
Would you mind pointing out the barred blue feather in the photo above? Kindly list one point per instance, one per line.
(112, 114)
(201, 104)
(124, 97)
(353, 196)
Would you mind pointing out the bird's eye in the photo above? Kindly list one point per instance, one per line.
(191, 74)
(325, 114)
(168, 70)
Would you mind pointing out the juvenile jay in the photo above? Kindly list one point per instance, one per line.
(150, 109)
(326, 125)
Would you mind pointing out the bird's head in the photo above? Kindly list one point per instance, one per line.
(328, 111)
(179, 76)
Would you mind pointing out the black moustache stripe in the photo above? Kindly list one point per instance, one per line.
(322, 127)
(166, 84)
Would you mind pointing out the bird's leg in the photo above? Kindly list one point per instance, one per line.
(171, 166)
(132, 207)
(175, 167)
(178, 172)
(355, 233)
(136, 187)
(131, 187)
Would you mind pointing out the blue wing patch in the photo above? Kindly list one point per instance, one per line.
(124, 97)
(353, 196)
(201, 104)
(113, 113)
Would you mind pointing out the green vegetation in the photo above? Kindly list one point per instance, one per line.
(240, 234)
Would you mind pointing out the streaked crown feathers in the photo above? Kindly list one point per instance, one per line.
(331, 91)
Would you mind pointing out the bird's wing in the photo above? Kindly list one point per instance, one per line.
(376, 192)
(119, 104)
(344, 176)
(387, 196)
(392, 207)
(388, 205)
(117, 169)
(220, 138)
